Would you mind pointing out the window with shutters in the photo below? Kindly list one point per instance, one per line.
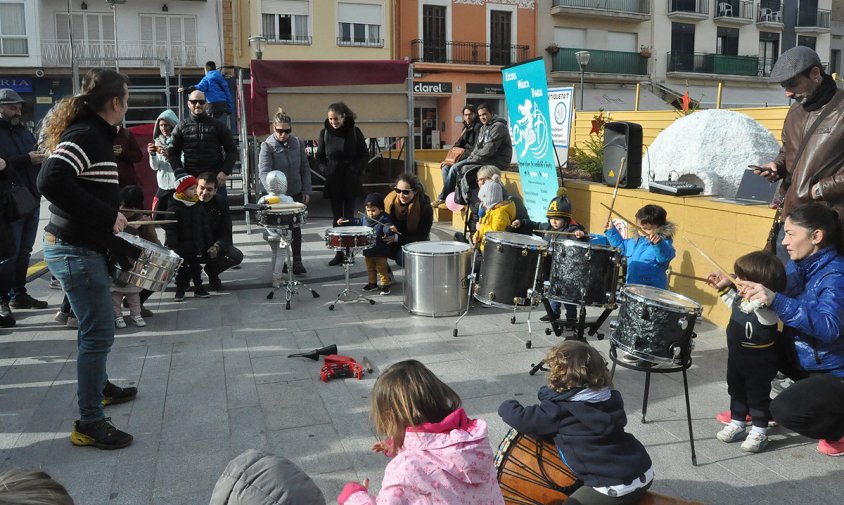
(169, 36)
(359, 24)
(92, 34)
(13, 41)
(286, 21)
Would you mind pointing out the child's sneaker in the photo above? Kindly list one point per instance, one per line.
(200, 292)
(726, 417)
(547, 319)
(731, 433)
(119, 322)
(385, 290)
(72, 322)
(139, 321)
(61, 317)
(755, 442)
(180, 295)
(832, 448)
(370, 287)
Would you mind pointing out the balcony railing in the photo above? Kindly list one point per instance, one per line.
(770, 12)
(57, 53)
(471, 53)
(812, 18)
(735, 9)
(630, 6)
(715, 64)
(690, 6)
(341, 41)
(601, 62)
(296, 40)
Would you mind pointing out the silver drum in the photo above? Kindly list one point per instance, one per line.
(154, 268)
(436, 278)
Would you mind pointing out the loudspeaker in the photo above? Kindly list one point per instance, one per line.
(623, 140)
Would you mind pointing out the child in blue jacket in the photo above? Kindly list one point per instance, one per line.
(376, 256)
(650, 251)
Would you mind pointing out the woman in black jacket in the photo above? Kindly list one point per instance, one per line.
(342, 156)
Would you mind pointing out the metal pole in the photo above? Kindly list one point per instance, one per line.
(409, 147)
(116, 53)
(581, 87)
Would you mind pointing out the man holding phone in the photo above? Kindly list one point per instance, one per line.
(811, 160)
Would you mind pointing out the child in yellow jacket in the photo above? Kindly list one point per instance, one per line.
(499, 212)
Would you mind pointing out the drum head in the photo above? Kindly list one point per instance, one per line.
(436, 247)
(662, 297)
(349, 230)
(146, 244)
(515, 240)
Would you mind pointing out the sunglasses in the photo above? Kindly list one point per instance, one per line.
(403, 191)
(283, 130)
(196, 102)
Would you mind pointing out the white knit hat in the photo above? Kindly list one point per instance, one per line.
(490, 194)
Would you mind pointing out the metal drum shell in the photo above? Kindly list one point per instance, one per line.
(436, 278)
(154, 268)
(508, 269)
(356, 238)
(583, 273)
(286, 218)
(653, 322)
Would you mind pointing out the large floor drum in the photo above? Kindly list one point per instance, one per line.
(655, 325)
(583, 273)
(153, 270)
(436, 278)
(508, 269)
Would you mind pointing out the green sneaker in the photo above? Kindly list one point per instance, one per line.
(113, 395)
(100, 434)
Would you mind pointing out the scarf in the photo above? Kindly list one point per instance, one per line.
(822, 95)
(410, 214)
(185, 200)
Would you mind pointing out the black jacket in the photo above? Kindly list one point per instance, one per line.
(16, 142)
(469, 136)
(190, 236)
(219, 220)
(590, 435)
(342, 154)
(207, 144)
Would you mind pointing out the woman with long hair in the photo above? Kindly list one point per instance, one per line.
(410, 210)
(79, 179)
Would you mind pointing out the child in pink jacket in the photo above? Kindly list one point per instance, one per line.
(439, 454)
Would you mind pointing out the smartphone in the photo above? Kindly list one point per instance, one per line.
(763, 170)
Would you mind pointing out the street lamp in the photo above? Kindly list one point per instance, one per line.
(257, 43)
(582, 60)
(114, 17)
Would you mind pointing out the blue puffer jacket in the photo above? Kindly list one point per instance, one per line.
(646, 262)
(812, 309)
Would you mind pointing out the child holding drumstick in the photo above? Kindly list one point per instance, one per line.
(439, 454)
(586, 417)
(650, 252)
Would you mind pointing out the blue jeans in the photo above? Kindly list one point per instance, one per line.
(571, 310)
(13, 270)
(84, 276)
(450, 176)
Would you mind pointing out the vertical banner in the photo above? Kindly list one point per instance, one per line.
(526, 92)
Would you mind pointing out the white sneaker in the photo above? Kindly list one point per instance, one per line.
(139, 321)
(755, 442)
(119, 322)
(731, 433)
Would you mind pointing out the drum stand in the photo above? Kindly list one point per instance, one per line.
(558, 327)
(653, 369)
(348, 261)
(291, 286)
(471, 278)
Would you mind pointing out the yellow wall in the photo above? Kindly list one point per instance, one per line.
(724, 231)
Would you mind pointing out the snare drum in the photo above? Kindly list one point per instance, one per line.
(153, 269)
(583, 273)
(508, 269)
(655, 325)
(354, 238)
(436, 278)
(282, 218)
(530, 471)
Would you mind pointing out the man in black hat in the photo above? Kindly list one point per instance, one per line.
(818, 173)
(17, 145)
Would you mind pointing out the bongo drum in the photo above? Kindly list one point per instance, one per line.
(531, 472)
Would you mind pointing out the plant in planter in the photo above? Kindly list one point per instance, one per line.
(552, 49)
(645, 51)
(590, 158)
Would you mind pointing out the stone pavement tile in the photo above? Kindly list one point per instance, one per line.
(133, 482)
(279, 342)
(315, 449)
(87, 481)
(187, 418)
(240, 383)
(291, 406)
(331, 484)
(277, 369)
(248, 422)
(190, 467)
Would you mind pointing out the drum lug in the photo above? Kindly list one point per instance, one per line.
(491, 296)
(683, 323)
(499, 248)
(524, 252)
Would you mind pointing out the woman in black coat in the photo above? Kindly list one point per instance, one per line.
(342, 156)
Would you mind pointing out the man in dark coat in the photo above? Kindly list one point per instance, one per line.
(222, 254)
(17, 145)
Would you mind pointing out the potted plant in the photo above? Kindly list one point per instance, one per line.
(645, 51)
(552, 49)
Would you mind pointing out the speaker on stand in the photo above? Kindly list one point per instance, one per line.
(623, 140)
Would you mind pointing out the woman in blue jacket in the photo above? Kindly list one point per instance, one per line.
(812, 310)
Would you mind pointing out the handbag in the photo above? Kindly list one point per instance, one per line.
(19, 202)
(454, 155)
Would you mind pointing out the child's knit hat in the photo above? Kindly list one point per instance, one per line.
(184, 182)
(490, 194)
(560, 206)
(375, 200)
(276, 182)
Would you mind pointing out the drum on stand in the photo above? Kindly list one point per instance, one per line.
(583, 273)
(509, 269)
(282, 218)
(353, 238)
(436, 277)
(655, 325)
(154, 268)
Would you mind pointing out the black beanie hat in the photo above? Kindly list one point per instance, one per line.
(374, 199)
(560, 205)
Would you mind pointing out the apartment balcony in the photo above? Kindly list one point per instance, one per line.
(295, 40)
(347, 42)
(688, 10)
(769, 16)
(635, 11)
(716, 64)
(733, 13)
(468, 53)
(56, 53)
(608, 66)
(812, 21)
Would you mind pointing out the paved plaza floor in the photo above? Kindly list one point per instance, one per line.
(214, 380)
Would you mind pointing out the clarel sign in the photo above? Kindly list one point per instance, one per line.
(439, 88)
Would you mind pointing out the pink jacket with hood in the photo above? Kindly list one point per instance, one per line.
(449, 462)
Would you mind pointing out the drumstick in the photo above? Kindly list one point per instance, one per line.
(142, 211)
(375, 222)
(721, 269)
(287, 206)
(632, 223)
(687, 276)
(617, 181)
(141, 223)
(541, 232)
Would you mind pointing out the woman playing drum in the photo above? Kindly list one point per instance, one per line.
(411, 212)
(812, 310)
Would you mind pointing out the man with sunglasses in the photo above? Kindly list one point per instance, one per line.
(205, 144)
(818, 173)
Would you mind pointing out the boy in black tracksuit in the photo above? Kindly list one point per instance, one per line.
(190, 237)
